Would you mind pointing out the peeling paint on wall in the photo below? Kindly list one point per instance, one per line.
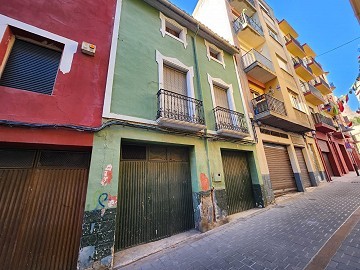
(107, 175)
(204, 180)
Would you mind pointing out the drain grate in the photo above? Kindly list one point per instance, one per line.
(355, 182)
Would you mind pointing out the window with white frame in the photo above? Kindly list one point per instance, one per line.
(282, 63)
(33, 57)
(273, 34)
(214, 53)
(171, 28)
(295, 100)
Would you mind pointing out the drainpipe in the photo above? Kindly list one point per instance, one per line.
(198, 76)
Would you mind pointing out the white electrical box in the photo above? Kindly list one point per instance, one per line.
(88, 48)
(217, 177)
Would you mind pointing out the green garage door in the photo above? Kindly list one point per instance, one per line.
(237, 181)
(155, 195)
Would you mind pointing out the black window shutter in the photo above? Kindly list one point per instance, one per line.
(31, 67)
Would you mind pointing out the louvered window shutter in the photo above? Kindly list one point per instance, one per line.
(175, 80)
(31, 67)
(221, 98)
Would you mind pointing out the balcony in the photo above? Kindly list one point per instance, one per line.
(302, 69)
(315, 66)
(271, 111)
(249, 31)
(247, 5)
(321, 85)
(230, 123)
(312, 95)
(179, 112)
(258, 66)
(332, 86)
(294, 46)
(322, 123)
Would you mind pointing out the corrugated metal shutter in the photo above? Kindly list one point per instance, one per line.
(31, 67)
(237, 181)
(327, 163)
(175, 80)
(324, 147)
(305, 178)
(41, 208)
(221, 99)
(281, 173)
(155, 194)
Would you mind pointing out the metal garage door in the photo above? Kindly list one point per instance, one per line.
(305, 178)
(41, 208)
(281, 173)
(327, 163)
(237, 181)
(155, 194)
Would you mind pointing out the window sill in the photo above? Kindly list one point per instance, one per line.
(217, 61)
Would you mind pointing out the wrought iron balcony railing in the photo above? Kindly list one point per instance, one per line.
(319, 118)
(266, 103)
(306, 88)
(242, 20)
(253, 56)
(230, 120)
(299, 61)
(289, 37)
(174, 106)
(319, 80)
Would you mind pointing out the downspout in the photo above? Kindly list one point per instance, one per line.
(198, 76)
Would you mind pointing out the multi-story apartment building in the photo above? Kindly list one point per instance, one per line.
(51, 97)
(331, 135)
(182, 153)
(273, 94)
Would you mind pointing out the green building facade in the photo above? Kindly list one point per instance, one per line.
(178, 150)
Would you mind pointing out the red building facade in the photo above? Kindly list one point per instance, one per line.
(51, 99)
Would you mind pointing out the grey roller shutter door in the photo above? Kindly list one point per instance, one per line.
(31, 67)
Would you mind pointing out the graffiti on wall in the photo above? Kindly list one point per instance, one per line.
(205, 184)
(105, 199)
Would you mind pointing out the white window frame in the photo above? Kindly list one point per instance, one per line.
(220, 52)
(222, 84)
(70, 46)
(183, 31)
(295, 101)
(283, 61)
(175, 63)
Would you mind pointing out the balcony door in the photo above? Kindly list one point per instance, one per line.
(176, 103)
(223, 117)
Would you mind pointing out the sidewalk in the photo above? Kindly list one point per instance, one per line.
(283, 236)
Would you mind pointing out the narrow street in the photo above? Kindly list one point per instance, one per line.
(289, 235)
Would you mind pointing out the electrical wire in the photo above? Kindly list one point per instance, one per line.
(338, 47)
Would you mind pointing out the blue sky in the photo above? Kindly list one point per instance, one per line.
(324, 25)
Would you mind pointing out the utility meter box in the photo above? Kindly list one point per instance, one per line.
(88, 48)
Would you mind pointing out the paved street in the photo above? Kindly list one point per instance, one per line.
(287, 236)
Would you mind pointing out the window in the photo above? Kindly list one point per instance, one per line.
(295, 100)
(273, 34)
(282, 63)
(214, 53)
(30, 65)
(175, 80)
(171, 28)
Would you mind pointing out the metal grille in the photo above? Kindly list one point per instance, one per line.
(273, 133)
(237, 181)
(230, 120)
(31, 67)
(133, 152)
(16, 158)
(63, 159)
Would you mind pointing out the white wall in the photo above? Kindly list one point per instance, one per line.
(214, 14)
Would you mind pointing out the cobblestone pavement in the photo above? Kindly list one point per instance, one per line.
(286, 236)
